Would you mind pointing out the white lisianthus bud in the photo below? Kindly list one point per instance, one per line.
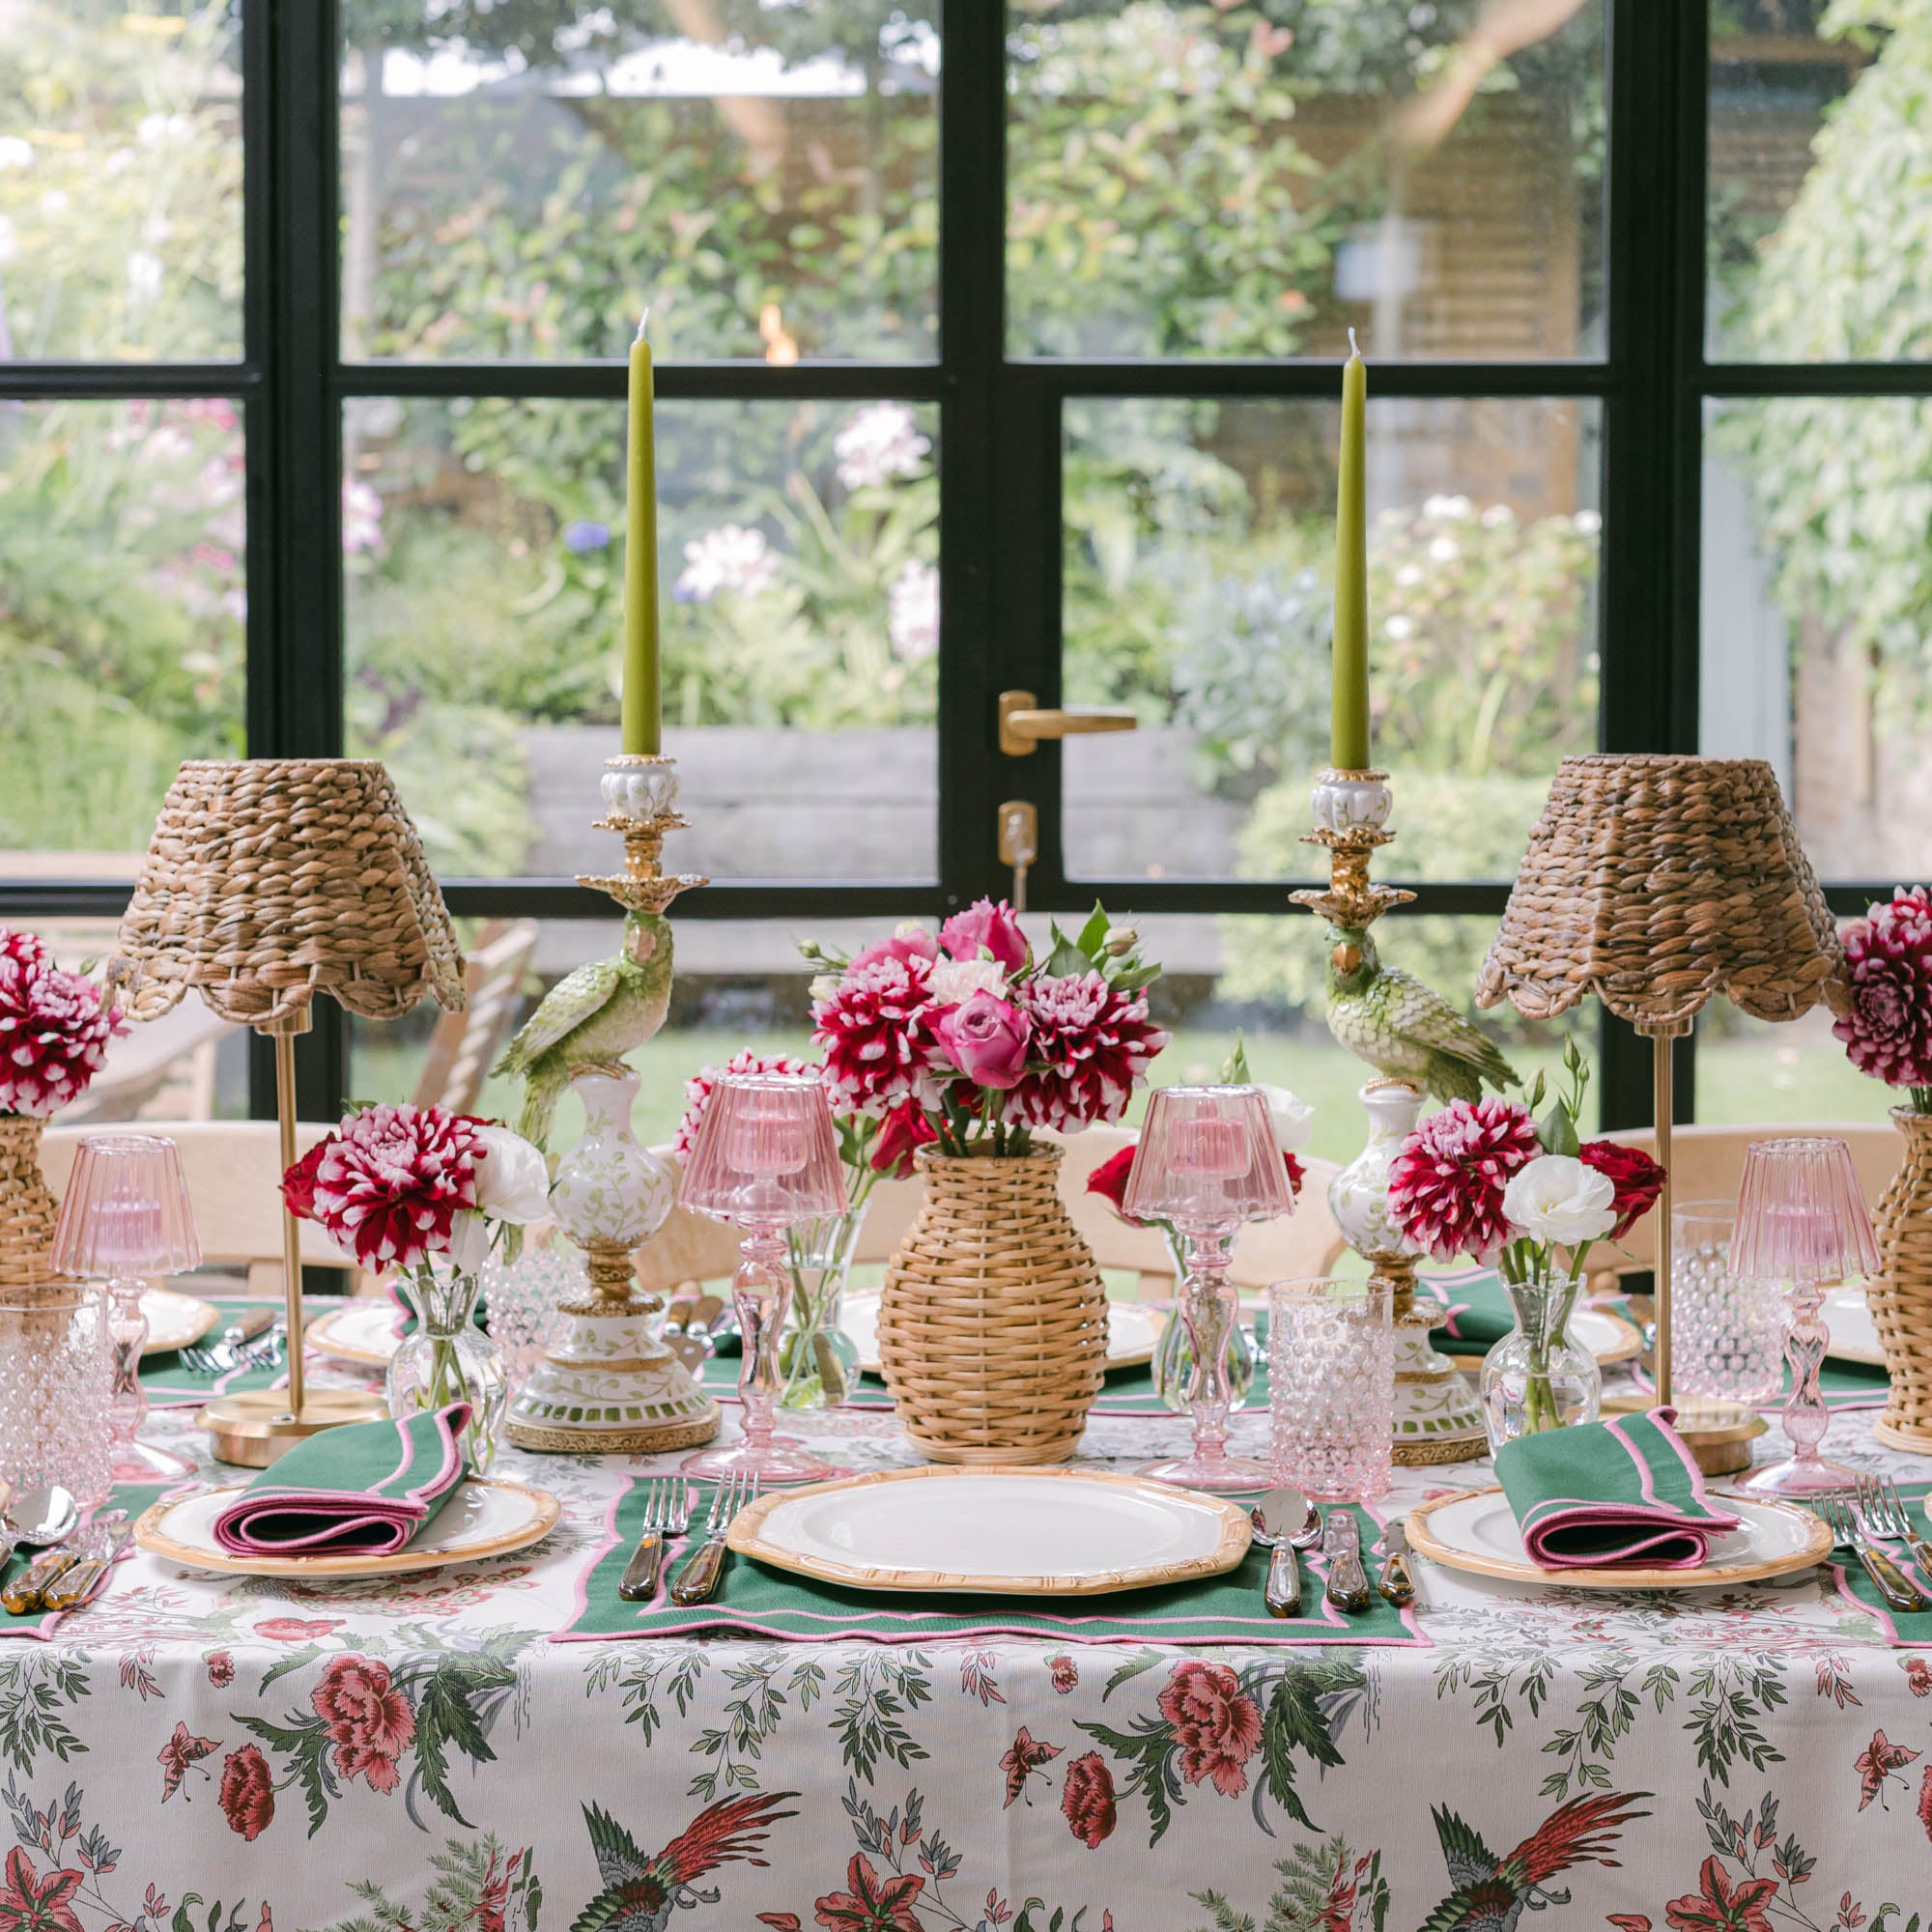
(1121, 940)
(823, 985)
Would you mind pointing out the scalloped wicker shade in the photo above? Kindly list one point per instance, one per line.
(1656, 881)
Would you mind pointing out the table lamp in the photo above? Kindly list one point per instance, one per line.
(1654, 881)
(267, 882)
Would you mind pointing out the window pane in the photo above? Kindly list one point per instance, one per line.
(1752, 1073)
(1817, 612)
(764, 177)
(1820, 212)
(1196, 181)
(1198, 569)
(483, 541)
(120, 183)
(121, 621)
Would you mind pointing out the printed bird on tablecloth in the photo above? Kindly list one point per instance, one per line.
(600, 1011)
(1402, 1028)
(642, 1890)
(1492, 1893)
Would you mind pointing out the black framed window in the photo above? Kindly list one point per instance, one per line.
(997, 352)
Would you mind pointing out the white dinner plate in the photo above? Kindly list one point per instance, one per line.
(1133, 1329)
(175, 1321)
(1476, 1531)
(1608, 1337)
(1854, 1333)
(364, 1329)
(484, 1518)
(1014, 1532)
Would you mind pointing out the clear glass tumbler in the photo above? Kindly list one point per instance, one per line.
(1331, 1387)
(56, 1384)
(1729, 1342)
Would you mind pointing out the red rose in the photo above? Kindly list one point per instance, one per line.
(1109, 1180)
(248, 1792)
(298, 1182)
(1637, 1180)
(986, 925)
(903, 1132)
(1296, 1173)
(220, 1669)
(1088, 1800)
(1063, 1671)
(370, 1724)
(297, 1630)
(1216, 1723)
(986, 1040)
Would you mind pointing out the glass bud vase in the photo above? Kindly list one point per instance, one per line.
(816, 1357)
(445, 1358)
(1536, 1378)
(1173, 1366)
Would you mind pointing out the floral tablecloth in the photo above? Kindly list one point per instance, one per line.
(217, 1755)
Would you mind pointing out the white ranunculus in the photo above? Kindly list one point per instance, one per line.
(469, 1241)
(954, 981)
(512, 1178)
(1293, 1119)
(1557, 1198)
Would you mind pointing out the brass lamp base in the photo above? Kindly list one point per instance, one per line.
(1718, 1435)
(255, 1428)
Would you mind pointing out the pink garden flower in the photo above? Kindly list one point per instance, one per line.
(1091, 1046)
(986, 1040)
(698, 1089)
(1887, 1033)
(1446, 1184)
(54, 1029)
(985, 923)
(393, 1182)
(874, 1028)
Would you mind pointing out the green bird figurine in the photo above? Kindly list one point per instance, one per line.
(1401, 1029)
(600, 1011)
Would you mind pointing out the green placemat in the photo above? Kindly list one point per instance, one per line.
(753, 1600)
(171, 1384)
(1903, 1628)
(133, 1498)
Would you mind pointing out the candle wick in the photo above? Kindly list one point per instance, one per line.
(1355, 348)
(643, 321)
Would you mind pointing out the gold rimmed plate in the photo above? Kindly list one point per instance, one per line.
(1002, 1532)
(1608, 1337)
(361, 1330)
(484, 1518)
(175, 1321)
(1475, 1531)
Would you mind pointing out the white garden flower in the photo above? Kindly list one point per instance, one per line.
(912, 611)
(954, 981)
(512, 1178)
(1293, 1119)
(1557, 1198)
(881, 442)
(729, 557)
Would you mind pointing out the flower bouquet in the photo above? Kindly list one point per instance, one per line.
(1488, 1181)
(427, 1194)
(963, 1047)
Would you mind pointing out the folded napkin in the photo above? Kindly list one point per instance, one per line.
(367, 1487)
(1621, 1491)
(1475, 1313)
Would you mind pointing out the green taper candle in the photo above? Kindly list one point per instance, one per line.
(643, 723)
(1348, 722)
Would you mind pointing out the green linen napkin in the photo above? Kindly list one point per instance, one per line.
(1621, 1491)
(371, 1485)
(1476, 1312)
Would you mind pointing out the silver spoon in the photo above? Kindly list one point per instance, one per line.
(37, 1519)
(1284, 1522)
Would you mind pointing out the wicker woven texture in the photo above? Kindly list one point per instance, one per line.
(268, 880)
(1655, 882)
(1900, 1293)
(993, 1324)
(27, 1209)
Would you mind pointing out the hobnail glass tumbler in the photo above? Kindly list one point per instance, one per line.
(1331, 1387)
(1730, 1328)
(56, 1379)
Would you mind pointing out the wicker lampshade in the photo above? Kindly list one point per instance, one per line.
(1656, 881)
(270, 880)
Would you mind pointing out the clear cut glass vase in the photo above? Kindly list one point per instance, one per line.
(816, 1357)
(1536, 1378)
(445, 1358)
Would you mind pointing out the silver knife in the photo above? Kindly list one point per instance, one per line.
(1347, 1588)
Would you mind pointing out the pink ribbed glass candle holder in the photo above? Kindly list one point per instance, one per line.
(1206, 1161)
(1802, 1223)
(126, 1218)
(765, 1159)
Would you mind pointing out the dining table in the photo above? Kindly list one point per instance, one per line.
(475, 1746)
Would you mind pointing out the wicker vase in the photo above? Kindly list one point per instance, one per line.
(1900, 1293)
(993, 1326)
(27, 1209)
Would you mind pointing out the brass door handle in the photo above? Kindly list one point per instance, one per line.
(1022, 724)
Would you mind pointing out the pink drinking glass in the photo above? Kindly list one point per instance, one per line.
(1206, 1161)
(765, 1159)
(1802, 1222)
(126, 1217)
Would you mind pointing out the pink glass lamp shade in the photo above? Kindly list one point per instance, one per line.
(765, 1159)
(1206, 1161)
(124, 1218)
(1802, 1222)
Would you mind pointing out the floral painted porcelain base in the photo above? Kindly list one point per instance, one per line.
(611, 1387)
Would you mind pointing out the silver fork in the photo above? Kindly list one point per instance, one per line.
(697, 1581)
(259, 1352)
(1887, 1579)
(667, 1513)
(1883, 1514)
(213, 1358)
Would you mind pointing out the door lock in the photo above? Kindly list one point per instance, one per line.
(1019, 844)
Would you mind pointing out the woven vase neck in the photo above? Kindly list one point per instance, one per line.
(27, 1209)
(1917, 1127)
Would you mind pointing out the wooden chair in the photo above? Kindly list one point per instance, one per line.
(465, 1045)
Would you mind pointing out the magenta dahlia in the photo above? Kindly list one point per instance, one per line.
(392, 1181)
(1091, 1043)
(54, 1029)
(1887, 1033)
(877, 1033)
(698, 1089)
(1446, 1184)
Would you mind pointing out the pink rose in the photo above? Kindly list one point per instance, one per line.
(985, 923)
(903, 1132)
(986, 1040)
(911, 941)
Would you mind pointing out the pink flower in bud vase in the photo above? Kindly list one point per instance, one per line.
(985, 923)
(903, 1132)
(986, 1040)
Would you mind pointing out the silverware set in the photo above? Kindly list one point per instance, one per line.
(64, 1576)
(1863, 1517)
(1287, 1524)
(668, 1514)
(257, 1342)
